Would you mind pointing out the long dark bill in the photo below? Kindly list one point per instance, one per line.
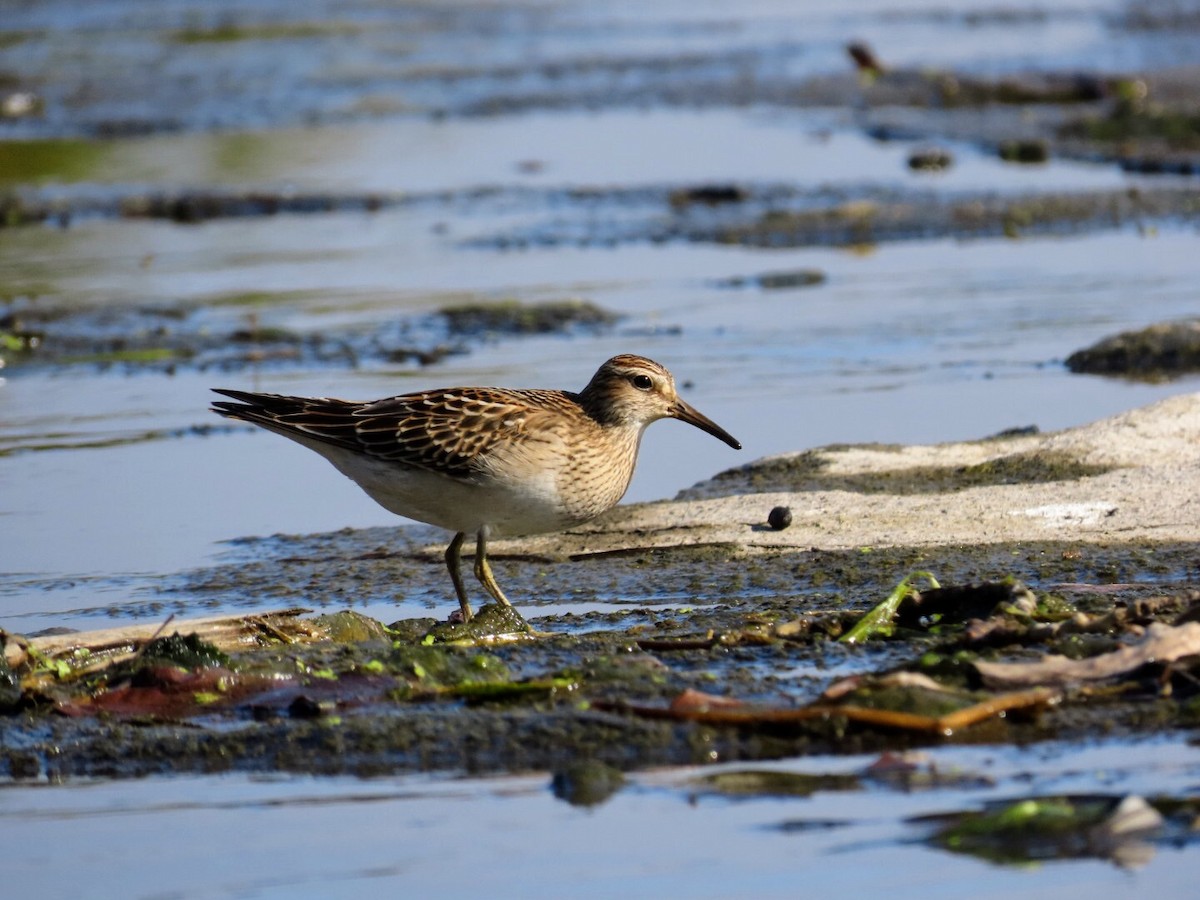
(686, 413)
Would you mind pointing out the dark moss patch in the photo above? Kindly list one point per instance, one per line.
(766, 783)
(348, 626)
(188, 651)
(808, 471)
(230, 32)
(431, 668)
(493, 619)
(1046, 88)
(797, 472)
(190, 207)
(1172, 129)
(1029, 151)
(228, 333)
(1158, 352)
(886, 219)
(512, 317)
(930, 159)
(777, 281)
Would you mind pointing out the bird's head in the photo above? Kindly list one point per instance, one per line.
(634, 391)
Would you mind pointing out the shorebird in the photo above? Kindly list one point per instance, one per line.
(493, 462)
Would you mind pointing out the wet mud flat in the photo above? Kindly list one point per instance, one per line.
(762, 678)
(678, 637)
(705, 632)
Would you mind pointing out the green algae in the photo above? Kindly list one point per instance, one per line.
(189, 651)
(435, 668)
(864, 223)
(490, 624)
(1053, 827)
(769, 783)
(880, 620)
(230, 32)
(348, 626)
(59, 160)
(1177, 129)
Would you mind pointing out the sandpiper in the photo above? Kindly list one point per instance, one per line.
(489, 461)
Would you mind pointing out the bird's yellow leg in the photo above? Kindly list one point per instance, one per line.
(483, 570)
(453, 562)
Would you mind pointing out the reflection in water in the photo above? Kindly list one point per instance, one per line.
(332, 836)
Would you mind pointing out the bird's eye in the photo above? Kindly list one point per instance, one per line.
(643, 382)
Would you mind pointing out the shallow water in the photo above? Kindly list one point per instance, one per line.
(914, 342)
(278, 836)
(115, 486)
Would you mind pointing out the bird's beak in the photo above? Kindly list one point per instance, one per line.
(685, 413)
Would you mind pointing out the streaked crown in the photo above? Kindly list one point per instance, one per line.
(629, 390)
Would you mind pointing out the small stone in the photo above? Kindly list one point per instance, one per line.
(780, 518)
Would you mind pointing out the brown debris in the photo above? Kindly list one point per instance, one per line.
(227, 633)
(1161, 644)
(705, 709)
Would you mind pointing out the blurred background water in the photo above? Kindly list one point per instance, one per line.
(447, 152)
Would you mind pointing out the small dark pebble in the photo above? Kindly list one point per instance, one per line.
(780, 518)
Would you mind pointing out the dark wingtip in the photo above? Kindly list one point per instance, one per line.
(245, 403)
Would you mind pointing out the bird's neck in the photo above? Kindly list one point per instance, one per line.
(596, 407)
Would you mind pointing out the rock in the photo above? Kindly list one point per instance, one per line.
(780, 518)
(1161, 351)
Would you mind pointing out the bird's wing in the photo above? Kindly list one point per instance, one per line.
(449, 431)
